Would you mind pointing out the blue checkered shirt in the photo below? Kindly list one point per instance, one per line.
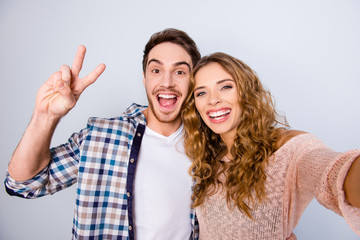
(102, 159)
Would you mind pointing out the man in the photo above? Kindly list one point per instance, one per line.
(105, 157)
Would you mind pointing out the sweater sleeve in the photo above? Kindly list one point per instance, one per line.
(58, 175)
(318, 171)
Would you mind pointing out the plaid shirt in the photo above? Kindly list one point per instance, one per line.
(102, 159)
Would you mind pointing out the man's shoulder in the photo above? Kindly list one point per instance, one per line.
(132, 115)
(134, 110)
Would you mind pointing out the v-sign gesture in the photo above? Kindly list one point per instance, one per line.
(55, 98)
(59, 94)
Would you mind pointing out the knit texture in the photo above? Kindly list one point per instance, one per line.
(303, 168)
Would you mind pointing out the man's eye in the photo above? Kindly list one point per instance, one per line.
(180, 72)
(155, 71)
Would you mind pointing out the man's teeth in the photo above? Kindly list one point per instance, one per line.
(219, 113)
(167, 96)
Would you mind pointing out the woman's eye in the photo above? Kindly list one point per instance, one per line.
(199, 94)
(155, 71)
(227, 87)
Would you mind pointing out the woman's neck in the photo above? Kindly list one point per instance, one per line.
(228, 139)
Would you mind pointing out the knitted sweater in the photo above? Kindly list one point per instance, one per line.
(303, 168)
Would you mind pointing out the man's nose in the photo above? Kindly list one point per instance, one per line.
(167, 80)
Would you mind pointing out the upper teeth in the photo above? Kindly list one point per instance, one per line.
(167, 96)
(219, 113)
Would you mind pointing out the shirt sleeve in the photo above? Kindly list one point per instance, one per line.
(59, 174)
(320, 172)
(194, 225)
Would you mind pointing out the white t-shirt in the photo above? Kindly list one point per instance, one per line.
(162, 192)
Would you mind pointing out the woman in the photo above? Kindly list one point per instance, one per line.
(254, 178)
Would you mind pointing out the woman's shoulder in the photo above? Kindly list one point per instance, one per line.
(287, 135)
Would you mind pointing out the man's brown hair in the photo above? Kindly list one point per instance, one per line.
(174, 36)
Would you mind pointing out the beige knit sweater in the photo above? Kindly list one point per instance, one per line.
(303, 168)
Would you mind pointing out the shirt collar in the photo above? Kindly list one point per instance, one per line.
(136, 111)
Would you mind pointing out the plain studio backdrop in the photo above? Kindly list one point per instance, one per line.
(306, 52)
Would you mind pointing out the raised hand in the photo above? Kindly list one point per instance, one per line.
(59, 94)
(55, 98)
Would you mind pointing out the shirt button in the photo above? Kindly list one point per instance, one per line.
(132, 160)
(128, 194)
(139, 134)
(130, 228)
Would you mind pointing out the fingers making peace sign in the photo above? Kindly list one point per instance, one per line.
(59, 94)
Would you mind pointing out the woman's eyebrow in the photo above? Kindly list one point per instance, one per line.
(218, 82)
(225, 80)
(201, 87)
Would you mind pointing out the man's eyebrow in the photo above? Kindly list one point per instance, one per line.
(175, 64)
(154, 60)
(182, 63)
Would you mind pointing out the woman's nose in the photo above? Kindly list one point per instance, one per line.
(214, 99)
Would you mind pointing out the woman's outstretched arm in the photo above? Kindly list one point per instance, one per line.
(352, 184)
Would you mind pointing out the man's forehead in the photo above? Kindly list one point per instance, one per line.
(169, 53)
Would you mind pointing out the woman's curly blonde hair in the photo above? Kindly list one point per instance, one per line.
(255, 141)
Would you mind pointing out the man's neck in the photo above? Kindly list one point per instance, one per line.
(163, 128)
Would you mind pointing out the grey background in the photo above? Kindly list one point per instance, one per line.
(306, 52)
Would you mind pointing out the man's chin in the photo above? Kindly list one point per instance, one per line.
(167, 117)
(165, 114)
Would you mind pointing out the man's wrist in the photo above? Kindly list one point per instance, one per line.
(44, 120)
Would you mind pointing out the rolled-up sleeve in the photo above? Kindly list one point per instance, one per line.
(320, 172)
(59, 174)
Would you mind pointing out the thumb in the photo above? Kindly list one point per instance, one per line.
(68, 98)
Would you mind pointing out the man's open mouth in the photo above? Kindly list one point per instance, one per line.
(167, 100)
